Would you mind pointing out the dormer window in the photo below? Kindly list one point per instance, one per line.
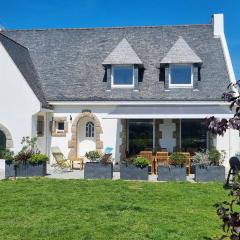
(122, 76)
(180, 75)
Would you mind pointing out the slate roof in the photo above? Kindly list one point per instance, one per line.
(22, 59)
(181, 52)
(123, 53)
(69, 61)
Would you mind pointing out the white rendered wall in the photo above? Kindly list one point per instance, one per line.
(230, 143)
(18, 103)
(110, 127)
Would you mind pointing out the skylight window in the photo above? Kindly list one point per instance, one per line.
(180, 75)
(122, 76)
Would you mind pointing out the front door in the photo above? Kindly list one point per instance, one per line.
(86, 136)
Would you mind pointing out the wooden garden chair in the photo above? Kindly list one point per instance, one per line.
(61, 162)
(162, 158)
(188, 161)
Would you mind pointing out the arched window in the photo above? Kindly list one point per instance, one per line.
(2, 140)
(89, 129)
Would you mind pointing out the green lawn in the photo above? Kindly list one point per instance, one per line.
(78, 209)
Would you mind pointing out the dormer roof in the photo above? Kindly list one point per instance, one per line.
(181, 52)
(123, 53)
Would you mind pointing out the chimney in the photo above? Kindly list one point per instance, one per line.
(218, 24)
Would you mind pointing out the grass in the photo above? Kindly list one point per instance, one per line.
(79, 209)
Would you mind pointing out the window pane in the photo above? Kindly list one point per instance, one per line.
(61, 126)
(123, 75)
(194, 135)
(140, 135)
(89, 129)
(181, 74)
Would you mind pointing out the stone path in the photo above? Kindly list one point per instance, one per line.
(77, 174)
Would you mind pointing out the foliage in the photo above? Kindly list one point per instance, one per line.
(29, 145)
(201, 158)
(178, 159)
(29, 149)
(22, 157)
(216, 157)
(37, 159)
(141, 162)
(219, 126)
(92, 155)
(209, 157)
(7, 154)
(228, 212)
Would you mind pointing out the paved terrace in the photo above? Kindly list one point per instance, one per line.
(77, 174)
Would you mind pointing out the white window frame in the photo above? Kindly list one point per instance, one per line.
(180, 85)
(121, 85)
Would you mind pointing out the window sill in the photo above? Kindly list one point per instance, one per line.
(122, 86)
(180, 86)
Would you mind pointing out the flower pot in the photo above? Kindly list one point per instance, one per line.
(210, 173)
(97, 170)
(171, 173)
(8, 169)
(28, 170)
(131, 172)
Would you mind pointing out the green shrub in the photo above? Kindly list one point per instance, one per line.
(178, 159)
(7, 155)
(141, 162)
(37, 159)
(216, 157)
(201, 158)
(92, 155)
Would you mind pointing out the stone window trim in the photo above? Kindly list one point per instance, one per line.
(54, 128)
(72, 144)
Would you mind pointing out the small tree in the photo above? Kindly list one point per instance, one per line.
(228, 211)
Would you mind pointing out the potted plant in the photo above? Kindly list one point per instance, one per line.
(98, 167)
(135, 169)
(176, 171)
(6, 164)
(29, 161)
(209, 165)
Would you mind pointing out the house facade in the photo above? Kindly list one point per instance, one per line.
(129, 88)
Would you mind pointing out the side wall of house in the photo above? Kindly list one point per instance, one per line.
(109, 134)
(230, 143)
(18, 103)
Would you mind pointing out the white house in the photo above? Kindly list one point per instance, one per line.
(128, 88)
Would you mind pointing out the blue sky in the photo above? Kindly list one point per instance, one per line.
(28, 14)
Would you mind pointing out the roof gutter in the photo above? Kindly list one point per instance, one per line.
(125, 103)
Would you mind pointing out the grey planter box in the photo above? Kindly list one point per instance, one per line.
(171, 173)
(210, 173)
(131, 172)
(96, 170)
(8, 169)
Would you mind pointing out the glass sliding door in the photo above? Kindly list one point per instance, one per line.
(140, 135)
(194, 135)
